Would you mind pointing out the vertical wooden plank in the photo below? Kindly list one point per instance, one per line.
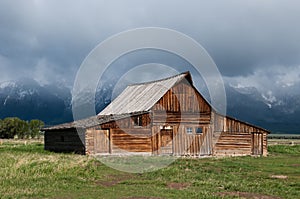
(159, 142)
(180, 142)
(261, 144)
(110, 142)
(175, 140)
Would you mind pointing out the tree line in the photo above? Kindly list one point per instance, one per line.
(12, 126)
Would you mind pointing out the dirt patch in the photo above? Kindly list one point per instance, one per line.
(142, 198)
(112, 180)
(279, 176)
(177, 185)
(109, 183)
(247, 195)
(295, 165)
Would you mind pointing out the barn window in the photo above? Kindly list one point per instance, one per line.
(189, 130)
(199, 130)
(138, 120)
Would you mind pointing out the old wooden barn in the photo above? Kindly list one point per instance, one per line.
(164, 117)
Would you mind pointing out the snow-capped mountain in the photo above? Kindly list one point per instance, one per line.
(27, 99)
(279, 113)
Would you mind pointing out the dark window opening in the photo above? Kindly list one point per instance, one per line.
(138, 120)
(62, 138)
(199, 130)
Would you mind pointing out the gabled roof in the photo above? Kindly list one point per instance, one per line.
(136, 99)
(142, 97)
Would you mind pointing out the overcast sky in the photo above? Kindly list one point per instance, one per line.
(254, 43)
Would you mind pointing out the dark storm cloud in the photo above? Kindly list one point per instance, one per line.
(48, 40)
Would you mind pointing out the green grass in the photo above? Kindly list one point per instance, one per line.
(27, 171)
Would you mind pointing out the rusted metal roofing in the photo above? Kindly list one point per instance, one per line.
(143, 96)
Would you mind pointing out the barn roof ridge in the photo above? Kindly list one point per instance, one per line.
(187, 73)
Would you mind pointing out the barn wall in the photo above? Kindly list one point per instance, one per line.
(265, 144)
(182, 98)
(90, 140)
(233, 137)
(131, 140)
(180, 108)
(168, 117)
(124, 136)
(185, 144)
(68, 140)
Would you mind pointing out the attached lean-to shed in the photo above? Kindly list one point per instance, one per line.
(164, 117)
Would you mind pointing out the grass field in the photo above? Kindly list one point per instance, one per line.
(283, 139)
(27, 171)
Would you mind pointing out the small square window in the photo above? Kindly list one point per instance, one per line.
(199, 130)
(138, 120)
(189, 130)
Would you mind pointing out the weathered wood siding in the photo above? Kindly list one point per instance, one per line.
(182, 98)
(97, 141)
(183, 144)
(131, 140)
(233, 137)
(67, 140)
(180, 108)
(123, 136)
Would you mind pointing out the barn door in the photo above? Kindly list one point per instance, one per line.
(101, 141)
(257, 143)
(166, 137)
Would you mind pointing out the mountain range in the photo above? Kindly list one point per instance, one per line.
(27, 99)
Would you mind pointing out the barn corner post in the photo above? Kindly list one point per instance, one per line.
(152, 133)
(266, 144)
(89, 146)
(211, 130)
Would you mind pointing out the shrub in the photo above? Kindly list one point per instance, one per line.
(13, 126)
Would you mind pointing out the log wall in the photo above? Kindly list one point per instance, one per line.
(67, 140)
(121, 136)
(233, 137)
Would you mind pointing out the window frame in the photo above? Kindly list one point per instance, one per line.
(137, 121)
(189, 130)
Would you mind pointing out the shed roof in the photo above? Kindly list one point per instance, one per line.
(91, 121)
(142, 97)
